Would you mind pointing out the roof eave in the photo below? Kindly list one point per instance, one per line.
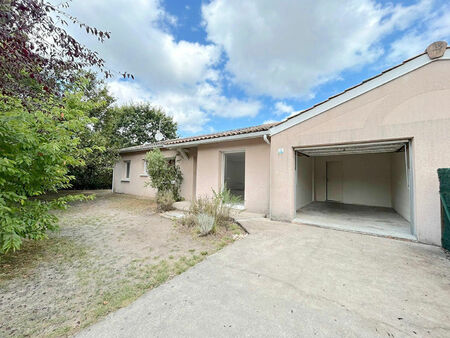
(229, 138)
(217, 140)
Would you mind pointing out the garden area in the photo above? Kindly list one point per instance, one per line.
(108, 252)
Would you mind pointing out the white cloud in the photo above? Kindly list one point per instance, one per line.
(287, 48)
(180, 76)
(269, 121)
(192, 111)
(283, 49)
(282, 108)
(435, 25)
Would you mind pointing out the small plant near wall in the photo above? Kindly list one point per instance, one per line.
(208, 213)
(165, 177)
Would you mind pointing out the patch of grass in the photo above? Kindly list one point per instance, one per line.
(128, 290)
(22, 263)
(80, 274)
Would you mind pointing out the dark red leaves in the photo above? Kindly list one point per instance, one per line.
(35, 46)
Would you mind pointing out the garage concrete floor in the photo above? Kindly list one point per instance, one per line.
(290, 280)
(357, 218)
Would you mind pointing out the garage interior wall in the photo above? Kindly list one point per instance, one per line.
(304, 181)
(399, 186)
(368, 179)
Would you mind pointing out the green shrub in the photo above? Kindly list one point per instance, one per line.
(218, 208)
(206, 224)
(38, 145)
(189, 220)
(163, 175)
(164, 200)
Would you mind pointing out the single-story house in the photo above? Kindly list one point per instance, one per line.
(363, 160)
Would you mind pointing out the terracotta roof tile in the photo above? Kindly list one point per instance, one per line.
(241, 131)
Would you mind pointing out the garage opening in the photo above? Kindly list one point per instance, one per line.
(234, 173)
(360, 187)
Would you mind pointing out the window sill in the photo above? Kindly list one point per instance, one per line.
(125, 180)
(143, 175)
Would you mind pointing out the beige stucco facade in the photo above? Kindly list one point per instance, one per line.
(415, 106)
(202, 172)
(257, 170)
(136, 184)
(410, 103)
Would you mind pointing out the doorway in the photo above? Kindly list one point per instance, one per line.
(364, 187)
(234, 173)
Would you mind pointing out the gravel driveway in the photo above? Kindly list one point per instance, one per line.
(293, 280)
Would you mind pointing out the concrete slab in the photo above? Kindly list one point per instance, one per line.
(182, 205)
(295, 280)
(173, 214)
(357, 218)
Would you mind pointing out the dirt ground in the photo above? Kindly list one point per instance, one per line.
(108, 252)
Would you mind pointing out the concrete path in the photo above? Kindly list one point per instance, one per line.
(294, 280)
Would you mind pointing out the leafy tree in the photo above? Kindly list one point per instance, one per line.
(37, 147)
(102, 153)
(36, 52)
(43, 114)
(164, 176)
(138, 123)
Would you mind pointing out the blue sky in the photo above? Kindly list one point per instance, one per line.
(224, 64)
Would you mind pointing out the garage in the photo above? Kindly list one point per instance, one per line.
(362, 187)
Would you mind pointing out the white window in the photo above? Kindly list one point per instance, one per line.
(144, 173)
(127, 169)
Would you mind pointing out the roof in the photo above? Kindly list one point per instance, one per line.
(373, 82)
(247, 132)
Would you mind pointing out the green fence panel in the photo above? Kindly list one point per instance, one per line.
(444, 189)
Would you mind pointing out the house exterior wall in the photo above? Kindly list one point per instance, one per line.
(138, 177)
(188, 169)
(257, 170)
(136, 184)
(415, 106)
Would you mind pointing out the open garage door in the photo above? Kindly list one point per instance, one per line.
(357, 148)
(361, 186)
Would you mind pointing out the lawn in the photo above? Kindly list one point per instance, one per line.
(108, 252)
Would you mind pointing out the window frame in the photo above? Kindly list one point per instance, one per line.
(127, 171)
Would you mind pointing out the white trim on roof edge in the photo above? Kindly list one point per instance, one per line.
(194, 143)
(217, 139)
(401, 70)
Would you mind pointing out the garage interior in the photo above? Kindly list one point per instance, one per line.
(358, 187)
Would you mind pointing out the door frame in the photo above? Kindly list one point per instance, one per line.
(222, 167)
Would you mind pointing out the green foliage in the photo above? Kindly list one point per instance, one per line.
(96, 173)
(164, 176)
(113, 128)
(206, 224)
(137, 124)
(36, 149)
(164, 200)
